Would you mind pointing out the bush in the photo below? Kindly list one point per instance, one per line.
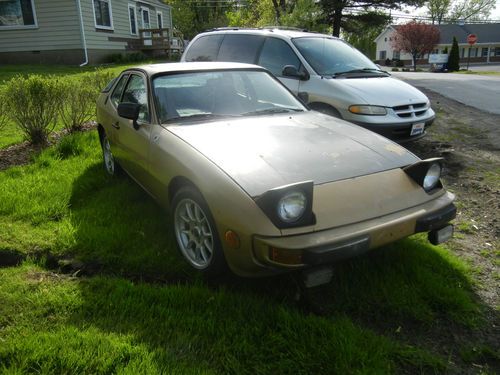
(78, 106)
(388, 62)
(97, 80)
(454, 58)
(3, 108)
(395, 69)
(32, 103)
(119, 58)
(400, 63)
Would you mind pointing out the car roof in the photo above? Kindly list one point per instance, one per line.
(152, 69)
(283, 32)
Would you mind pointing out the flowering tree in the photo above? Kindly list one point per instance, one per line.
(415, 38)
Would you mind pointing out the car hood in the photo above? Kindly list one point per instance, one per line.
(265, 152)
(383, 91)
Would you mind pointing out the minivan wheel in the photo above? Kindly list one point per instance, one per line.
(196, 234)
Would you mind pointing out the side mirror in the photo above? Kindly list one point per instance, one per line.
(291, 71)
(130, 111)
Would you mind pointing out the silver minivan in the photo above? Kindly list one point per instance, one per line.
(331, 75)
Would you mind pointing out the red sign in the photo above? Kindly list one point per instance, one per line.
(471, 39)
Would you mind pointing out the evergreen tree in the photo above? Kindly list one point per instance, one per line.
(454, 58)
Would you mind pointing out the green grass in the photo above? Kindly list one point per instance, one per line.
(56, 324)
(64, 204)
(479, 72)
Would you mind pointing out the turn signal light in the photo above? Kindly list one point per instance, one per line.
(232, 239)
(292, 257)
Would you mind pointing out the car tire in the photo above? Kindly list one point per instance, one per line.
(110, 164)
(196, 234)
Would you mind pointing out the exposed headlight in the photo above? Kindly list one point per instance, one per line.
(372, 110)
(426, 173)
(292, 206)
(432, 176)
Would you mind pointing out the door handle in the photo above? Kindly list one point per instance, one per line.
(116, 125)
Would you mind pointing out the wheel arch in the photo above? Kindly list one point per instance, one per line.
(176, 184)
(325, 108)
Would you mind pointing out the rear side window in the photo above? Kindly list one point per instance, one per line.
(276, 54)
(204, 48)
(117, 93)
(240, 48)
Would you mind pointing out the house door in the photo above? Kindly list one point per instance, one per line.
(146, 24)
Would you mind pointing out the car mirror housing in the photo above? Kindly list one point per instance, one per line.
(130, 111)
(291, 71)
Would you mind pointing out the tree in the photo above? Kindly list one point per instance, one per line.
(364, 41)
(438, 9)
(454, 57)
(341, 13)
(415, 38)
(471, 10)
(453, 10)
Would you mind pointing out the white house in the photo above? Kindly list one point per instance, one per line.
(486, 49)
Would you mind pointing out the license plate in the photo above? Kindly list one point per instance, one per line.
(417, 129)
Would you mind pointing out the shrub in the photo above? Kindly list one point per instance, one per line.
(454, 58)
(33, 103)
(388, 62)
(395, 69)
(98, 79)
(3, 108)
(400, 63)
(119, 58)
(78, 106)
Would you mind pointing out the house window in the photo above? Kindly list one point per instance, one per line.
(132, 18)
(497, 51)
(102, 14)
(382, 55)
(396, 55)
(17, 13)
(473, 52)
(159, 17)
(484, 52)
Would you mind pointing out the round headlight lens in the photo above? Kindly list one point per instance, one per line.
(292, 206)
(432, 177)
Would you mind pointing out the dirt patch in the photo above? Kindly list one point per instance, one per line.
(23, 153)
(469, 141)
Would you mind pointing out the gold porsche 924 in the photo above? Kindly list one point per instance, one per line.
(254, 179)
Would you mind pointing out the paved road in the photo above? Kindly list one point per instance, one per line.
(479, 91)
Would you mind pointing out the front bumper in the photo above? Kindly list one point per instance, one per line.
(331, 245)
(398, 132)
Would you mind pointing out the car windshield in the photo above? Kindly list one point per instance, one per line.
(329, 56)
(221, 93)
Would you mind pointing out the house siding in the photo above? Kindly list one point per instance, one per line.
(100, 39)
(58, 29)
(57, 37)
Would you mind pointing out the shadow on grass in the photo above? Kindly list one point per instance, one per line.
(122, 231)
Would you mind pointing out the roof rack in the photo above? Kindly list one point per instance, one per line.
(284, 28)
(257, 28)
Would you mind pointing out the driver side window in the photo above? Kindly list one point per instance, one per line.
(136, 92)
(276, 54)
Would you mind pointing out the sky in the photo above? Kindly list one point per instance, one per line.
(495, 14)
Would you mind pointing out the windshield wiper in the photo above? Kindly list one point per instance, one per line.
(272, 111)
(364, 70)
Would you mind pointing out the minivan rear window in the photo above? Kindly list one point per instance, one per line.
(240, 48)
(205, 48)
